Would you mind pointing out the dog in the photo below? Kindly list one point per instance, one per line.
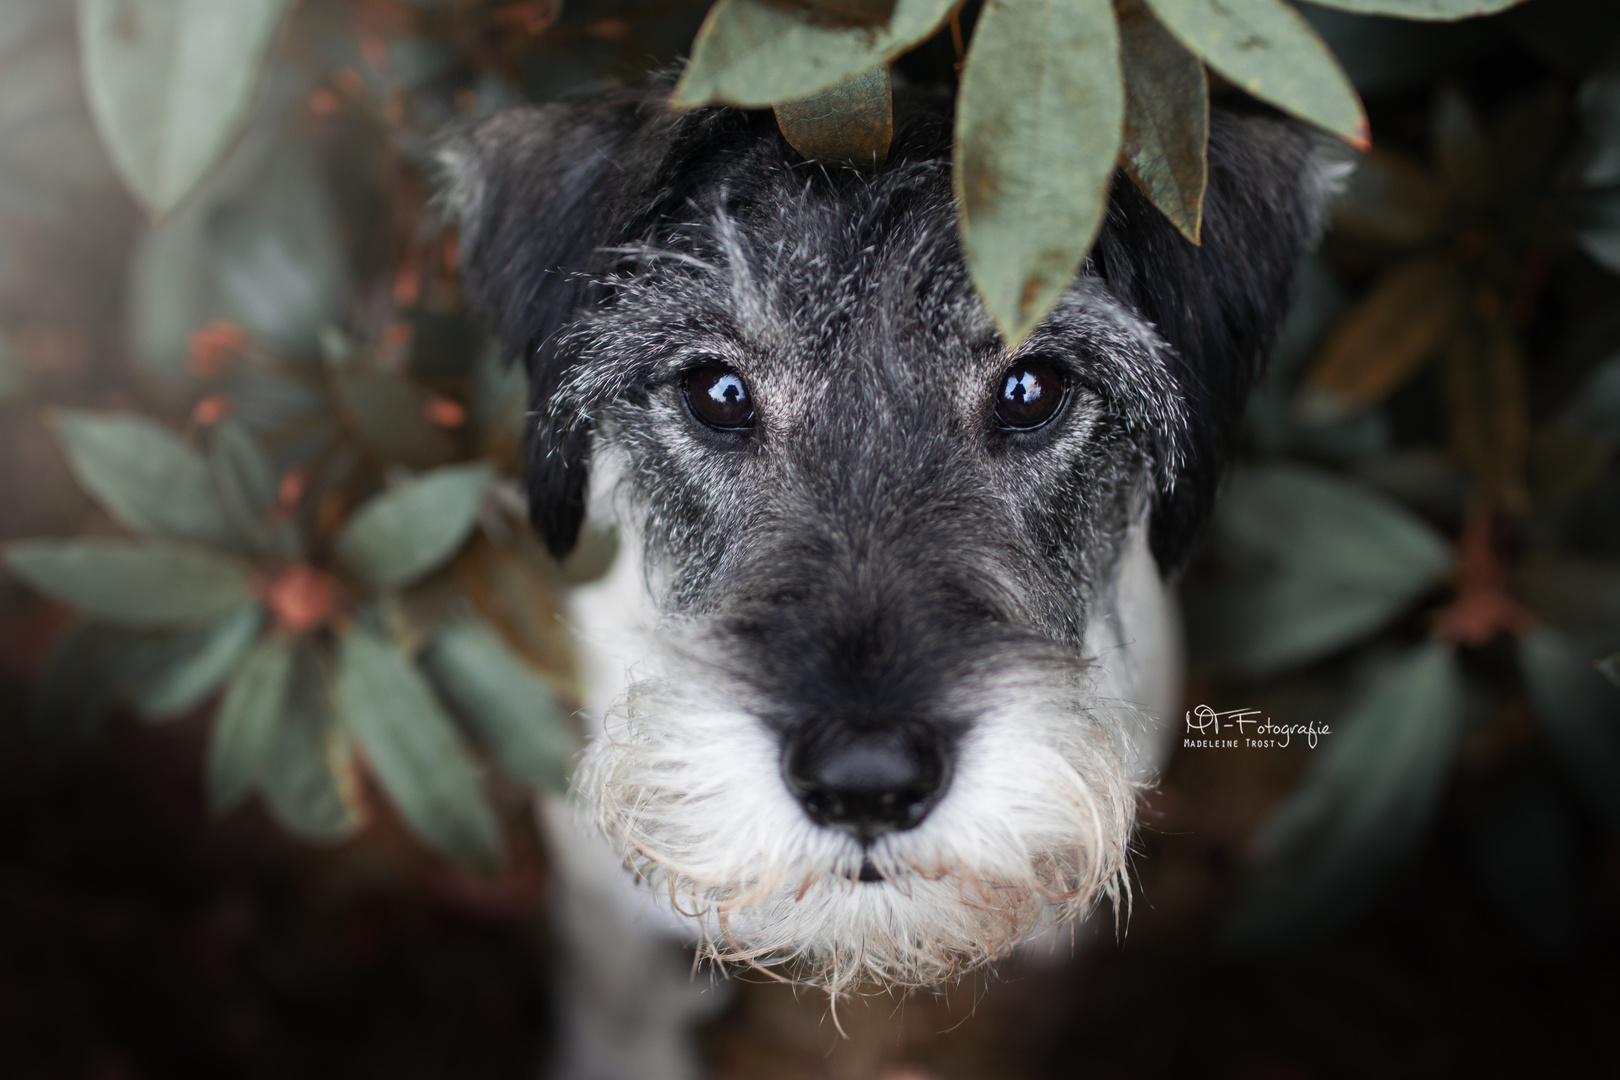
(878, 671)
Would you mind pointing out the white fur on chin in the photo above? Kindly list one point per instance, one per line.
(1032, 829)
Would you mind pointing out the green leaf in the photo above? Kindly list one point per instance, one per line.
(511, 708)
(154, 584)
(400, 535)
(1038, 125)
(1166, 118)
(144, 475)
(309, 767)
(169, 83)
(246, 485)
(414, 750)
(1268, 50)
(1440, 10)
(88, 671)
(1580, 713)
(753, 53)
(197, 661)
(389, 414)
(851, 123)
(246, 725)
(1313, 564)
(1366, 802)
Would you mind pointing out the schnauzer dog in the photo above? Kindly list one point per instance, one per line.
(877, 671)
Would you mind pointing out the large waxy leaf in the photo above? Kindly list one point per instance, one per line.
(246, 725)
(512, 709)
(197, 661)
(755, 54)
(398, 536)
(307, 776)
(144, 475)
(1267, 49)
(414, 750)
(1166, 118)
(1443, 10)
(1315, 564)
(851, 123)
(1385, 338)
(169, 83)
(247, 487)
(1580, 712)
(1038, 123)
(1367, 800)
(154, 584)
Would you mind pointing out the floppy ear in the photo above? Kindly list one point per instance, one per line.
(537, 192)
(1220, 304)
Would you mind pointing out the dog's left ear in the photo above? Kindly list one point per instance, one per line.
(538, 191)
(1219, 305)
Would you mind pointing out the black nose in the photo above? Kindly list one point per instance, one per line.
(866, 782)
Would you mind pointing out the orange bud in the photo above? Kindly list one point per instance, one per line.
(300, 597)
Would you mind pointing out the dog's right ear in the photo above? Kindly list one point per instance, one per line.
(538, 191)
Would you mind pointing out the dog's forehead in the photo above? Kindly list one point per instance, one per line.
(830, 294)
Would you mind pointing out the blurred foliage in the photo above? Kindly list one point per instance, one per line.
(1448, 372)
(322, 533)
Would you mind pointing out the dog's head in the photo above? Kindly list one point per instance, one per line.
(876, 742)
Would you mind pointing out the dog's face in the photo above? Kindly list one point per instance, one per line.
(874, 739)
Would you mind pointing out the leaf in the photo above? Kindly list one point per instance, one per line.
(1487, 412)
(1038, 127)
(1365, 803)
(851, 123)
(1313, 564)
(258, 244)
(1390, 201)
(1580, 713)
(389, 414)
(1383, 340)
(398, 536)
(154, 584)
(246, 485)
(414, 750)
(1580, 597)
(1269, 51)
(246, 725)
(1166, 136)
(1461, 149)
(86, 674)
(1442, 10)
(143, 474)
(197, 662)
(840, 12)
(511, 708)
(1596, 408)
(1596, 216)
(169, 83)
(754, 54)
(307, 776)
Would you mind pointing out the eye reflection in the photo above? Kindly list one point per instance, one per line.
(1029, 395)
(718, 397)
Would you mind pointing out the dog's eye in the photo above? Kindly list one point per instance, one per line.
(1029, 395)
(718, 397)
